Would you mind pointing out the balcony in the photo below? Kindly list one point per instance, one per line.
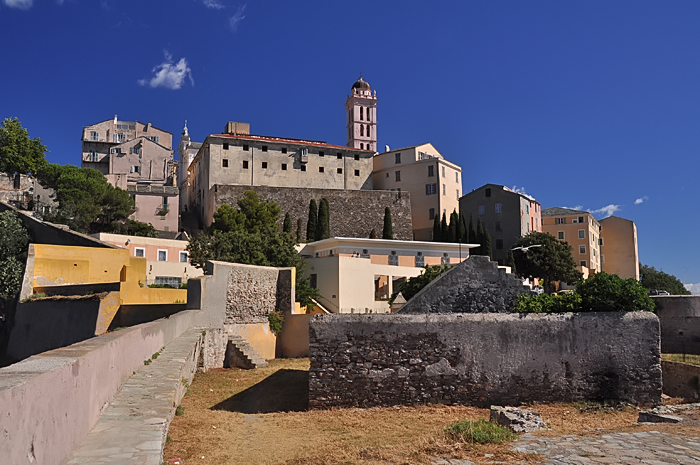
(162, 209)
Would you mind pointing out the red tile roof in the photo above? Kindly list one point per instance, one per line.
(283, 140)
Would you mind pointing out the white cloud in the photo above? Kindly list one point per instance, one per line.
(169, 75)
(237, 18)
(641, 200)
(519, 190)
(20, 4)
(577, 207)
(607, 211)
(693, 288)
(213, 4)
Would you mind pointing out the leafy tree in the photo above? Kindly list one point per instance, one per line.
(18, 152)
(651, 278)
(86, 201)
(323, 227)
(287, 223)
(444, 229)
(605, 292)
(452, 229)
(551, 261)
(437, 230)
(412, 286)
(135, 228)
(13, 253)
(462, 228)
(548, 303)
(250, 235)
(472, 231)
(312, 223)
(388, 231)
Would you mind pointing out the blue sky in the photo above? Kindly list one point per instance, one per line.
(591, 105)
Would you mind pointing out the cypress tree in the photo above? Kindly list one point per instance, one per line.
(472, 239)
(298, 235)
(462, 228)
(444, 229)
(373, 234)
(437, 232)
(313, 221)
(388, 232)
(479, 237)
(452, 230)
(510, 261)
(287, 224)
(486, 246)
(323, 228)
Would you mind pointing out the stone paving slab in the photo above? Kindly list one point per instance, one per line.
(132, 429)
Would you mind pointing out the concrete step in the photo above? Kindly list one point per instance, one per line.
(240, 353)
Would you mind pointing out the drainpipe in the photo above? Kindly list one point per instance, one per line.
(252, 165)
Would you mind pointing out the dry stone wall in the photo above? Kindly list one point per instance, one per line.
(353, 213)
(483, 359)
(253, 292)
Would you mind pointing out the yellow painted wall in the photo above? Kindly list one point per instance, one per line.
(258, 335)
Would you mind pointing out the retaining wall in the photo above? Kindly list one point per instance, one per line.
(680, 323)
(51, 400)
(681, 380)
(483, 359)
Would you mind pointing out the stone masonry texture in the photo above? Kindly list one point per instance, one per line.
(476, 285)
(483, 359)
(353, 213)
(253, 292)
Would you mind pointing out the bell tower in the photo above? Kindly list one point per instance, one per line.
(361, 109)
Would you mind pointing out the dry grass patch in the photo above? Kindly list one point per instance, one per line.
(685, 358)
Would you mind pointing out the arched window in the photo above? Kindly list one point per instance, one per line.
(368, 118)
(361, 118)
(368, 126)
(362, 146)
(362, 130)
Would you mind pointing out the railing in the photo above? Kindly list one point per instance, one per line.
(162, 209)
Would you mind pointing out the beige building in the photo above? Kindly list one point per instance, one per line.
(435, 184)
(239, 158)
(168, 261)
(581, 230)
(507, 215)
(136, 157)
(359, 275)
(618, 247)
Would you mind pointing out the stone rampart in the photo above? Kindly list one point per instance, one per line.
(476, 285)
(353, 213)
(681, 380)
(680, 323)
(483, 359)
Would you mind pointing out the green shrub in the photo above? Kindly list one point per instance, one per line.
(180, 411)
(546, 303)
(479, 431)
(604, 292)
(276, 320)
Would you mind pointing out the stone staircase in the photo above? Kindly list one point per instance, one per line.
(239, 353)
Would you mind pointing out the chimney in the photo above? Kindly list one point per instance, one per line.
(386, 148)
(115, 119)
(236, 127)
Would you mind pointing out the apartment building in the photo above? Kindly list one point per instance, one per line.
(506, 214)
(618, 247)
(434, 184)
(136, 157)
(581, 230)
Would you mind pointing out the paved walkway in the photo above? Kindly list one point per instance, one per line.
(132, 429)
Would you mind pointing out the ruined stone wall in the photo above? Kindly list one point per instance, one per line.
(680, 323)
(476, 285)
(353, 213)
(253, 292)
(483, 359)
(681, 380)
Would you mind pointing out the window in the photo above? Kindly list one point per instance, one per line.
(488, 192)
(457, 194)
(362, 129)
(431, 171)
(321, 153)
(456, 177)
(398, 176)
(397, 158)
(498, 207)
(339, 156)
(559, 220)
(361, 113)
(443, 171)
(560, 235)
(582, 249)
(444, 189)
(498, 226)
(583, 263)
(362, 146)
(313, 281)
(165, 200)
(393, 259)
(581, 219)
(245, 164)
(600, 241)
(246, 147)
(357, 172)
(135, 169)
(284, 167)
(224, 163)
(162, 255)
(499, 244)
(284, 149)
(95, 136)
(431, 213)
(482, 209)
(93, 156)
(581, 233)
(527, 209)
(320, 169)
(115, 150)
(184, 257)
(387, 174)
(303, 168)
(225, 145)
(339, 170)
(139, 251)
(368, 118)
(357, 156)
(420, 259)
(264, 165)
(264, 148)
(430, 189)
(135, 150)
(168, 281)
